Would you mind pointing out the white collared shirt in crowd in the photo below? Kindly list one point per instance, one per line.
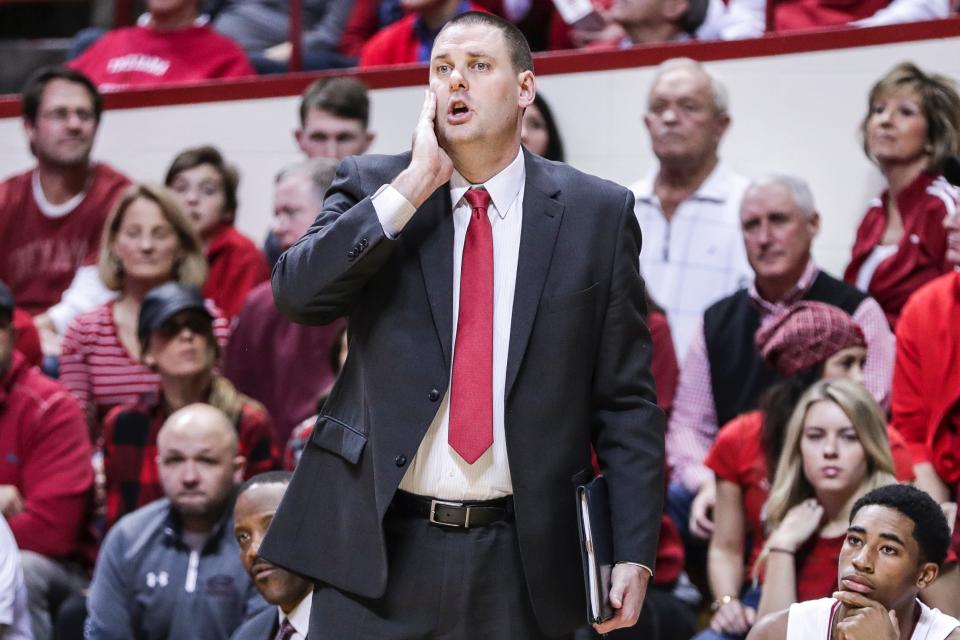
(697, 257)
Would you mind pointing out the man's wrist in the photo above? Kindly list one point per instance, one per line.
(414, 184)
(637, 564)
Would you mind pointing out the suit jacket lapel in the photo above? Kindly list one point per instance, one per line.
(542, 214)
(436, 263)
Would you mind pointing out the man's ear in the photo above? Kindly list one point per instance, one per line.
(370, 137)
(298, 136)
(927, 574)
(528, 88)
(813, 222)
(239, 466)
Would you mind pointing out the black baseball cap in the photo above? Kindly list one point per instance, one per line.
(164, 302)
(6, 299)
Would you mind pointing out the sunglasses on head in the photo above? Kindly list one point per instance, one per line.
(196, 322)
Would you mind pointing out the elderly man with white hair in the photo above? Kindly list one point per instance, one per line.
(688, 207)
(723, 374)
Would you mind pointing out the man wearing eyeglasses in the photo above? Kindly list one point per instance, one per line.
(51, 215)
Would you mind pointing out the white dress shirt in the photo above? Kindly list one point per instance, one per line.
(696, 257)
(13, 592)
(437, 470)
(299, 617)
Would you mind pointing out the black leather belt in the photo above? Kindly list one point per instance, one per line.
(458, 515)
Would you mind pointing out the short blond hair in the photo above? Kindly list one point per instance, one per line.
(939, 102)
(191, 269)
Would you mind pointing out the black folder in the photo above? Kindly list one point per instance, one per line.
(596, 547)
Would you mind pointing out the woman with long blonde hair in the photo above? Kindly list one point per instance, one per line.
(835, 450)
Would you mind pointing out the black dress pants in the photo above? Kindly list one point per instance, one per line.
(443, 584)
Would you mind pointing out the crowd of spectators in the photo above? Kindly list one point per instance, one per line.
(791, 393)
(183, 41)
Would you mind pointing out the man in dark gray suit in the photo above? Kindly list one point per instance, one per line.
(496, 333)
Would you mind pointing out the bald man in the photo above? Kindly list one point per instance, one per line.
(172, 569)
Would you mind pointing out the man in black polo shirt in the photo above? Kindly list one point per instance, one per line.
(723, 373)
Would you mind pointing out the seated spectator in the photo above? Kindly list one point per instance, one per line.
(147, 241)
(410, 39)
(262, 28)
(657, 22)
(926, 388)
(834, 451)
(895, 544)
(45, 478)
(262, 368)
(14, 615)
(57, 209)
(171, 569)
(206, 188)
(689, 206)
(724, 373)
(171, 44)
(291, 594)
(539, 132)
(750, 18)
(334, 119)
(177, 342)
(911, 127)
(809, 341)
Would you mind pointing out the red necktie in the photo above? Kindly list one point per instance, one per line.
(471, 388)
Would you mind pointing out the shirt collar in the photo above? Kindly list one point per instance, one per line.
(300, 616)
(803, 285)
(503, 187)
(716, 188)
(200, 21)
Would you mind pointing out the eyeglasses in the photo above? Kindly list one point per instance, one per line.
(197, 323)
(62, 114)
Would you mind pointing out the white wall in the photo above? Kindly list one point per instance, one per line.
(795, 113)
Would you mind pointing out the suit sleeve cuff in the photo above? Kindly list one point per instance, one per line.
(393, 210)
(637, 564)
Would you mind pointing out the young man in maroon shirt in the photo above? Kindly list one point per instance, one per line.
(46, 478)
(51, 215)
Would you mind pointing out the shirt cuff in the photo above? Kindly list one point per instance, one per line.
(637, 564)
(393, 210)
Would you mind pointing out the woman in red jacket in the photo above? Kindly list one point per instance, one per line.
(206, 188)
(912, 125)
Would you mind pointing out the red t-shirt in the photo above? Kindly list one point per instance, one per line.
(737, 456)
(790, 15)
(141, 56)
(921, 252)
(397, 43)
(39, 255)
(817, 568)
(236, 267)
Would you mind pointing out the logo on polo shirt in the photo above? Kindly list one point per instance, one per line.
(160, 579)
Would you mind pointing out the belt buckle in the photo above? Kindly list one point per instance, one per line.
(445, 503)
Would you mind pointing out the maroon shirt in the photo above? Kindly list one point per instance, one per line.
(284, 365)
(40, 255)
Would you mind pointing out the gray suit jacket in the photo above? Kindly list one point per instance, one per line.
(578, 374)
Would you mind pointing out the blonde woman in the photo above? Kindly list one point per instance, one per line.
(835, 450)
(146, 241)
(911, 126)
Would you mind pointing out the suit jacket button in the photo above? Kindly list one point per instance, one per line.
(434, 395)
(400, 460)
(363, 243)
(351, 254)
